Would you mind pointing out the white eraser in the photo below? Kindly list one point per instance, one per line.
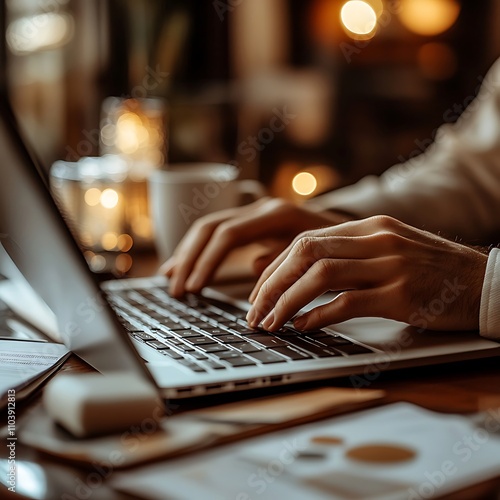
(91, 404)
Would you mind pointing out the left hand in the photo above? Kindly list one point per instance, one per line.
(382, 267)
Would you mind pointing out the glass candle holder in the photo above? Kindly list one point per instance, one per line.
(93, 194)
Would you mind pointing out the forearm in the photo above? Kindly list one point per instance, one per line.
(452, 188)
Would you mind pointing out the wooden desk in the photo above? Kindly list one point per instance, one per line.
(455, 388)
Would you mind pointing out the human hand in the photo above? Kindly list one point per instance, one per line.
(383, 267)
(270, 221)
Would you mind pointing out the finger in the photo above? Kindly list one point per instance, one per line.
(189, 249)
(193, 243)
(250, 227)
(308, 249)
(167, 267)
(323, 276)
(350, 304)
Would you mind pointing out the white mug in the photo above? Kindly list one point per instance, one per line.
(186, 191)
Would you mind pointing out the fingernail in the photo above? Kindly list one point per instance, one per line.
(300, 323)
(268, 322)
(256, 319)
(250, 315)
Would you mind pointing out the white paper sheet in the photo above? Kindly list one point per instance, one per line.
(23, 363)
(450, 453)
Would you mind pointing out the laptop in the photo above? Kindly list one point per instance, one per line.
(199, 345)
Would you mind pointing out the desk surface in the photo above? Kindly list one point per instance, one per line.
(464, 387)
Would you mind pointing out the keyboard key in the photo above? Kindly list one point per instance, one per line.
(199, 341)
(267, 357)
(215, 331)
(171, 324)
(192, 365)
(247, 347)
(156, 344)
(318, 350)
(291, 353)
(171, 354)
(230, 324)
(229, 354)
(200, 324)
(198, 355)
(230, 339)
(248, 331)
(213, 348)
(240, 361)
(181, 346)
(142, 336)
(186, 333)
(268, 340)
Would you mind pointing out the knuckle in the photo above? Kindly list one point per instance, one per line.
(392, 240)
(227, 231)
(304, 245)
(324, 268)
(280, 205)
(346, 301)
(385, 221)
(203, 224)
(321, 316)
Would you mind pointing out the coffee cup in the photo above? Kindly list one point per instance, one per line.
(184, 192)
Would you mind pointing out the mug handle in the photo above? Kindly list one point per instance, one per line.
(250, 190)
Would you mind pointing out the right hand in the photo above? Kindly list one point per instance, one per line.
(272, 222)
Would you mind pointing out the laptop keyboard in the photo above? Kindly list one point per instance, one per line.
(205, 334)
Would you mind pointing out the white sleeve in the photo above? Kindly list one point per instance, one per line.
(489, 318)
(453, 188)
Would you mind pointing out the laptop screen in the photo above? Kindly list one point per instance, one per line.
(36, 238)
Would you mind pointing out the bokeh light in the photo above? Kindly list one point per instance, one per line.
(429, 17)
(358, 17)
(109, 198)
(123, 262)
(109, 241)
(125, 242)
(304, 183)
(92, 197)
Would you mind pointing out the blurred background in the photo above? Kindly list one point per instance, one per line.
(303, 95)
